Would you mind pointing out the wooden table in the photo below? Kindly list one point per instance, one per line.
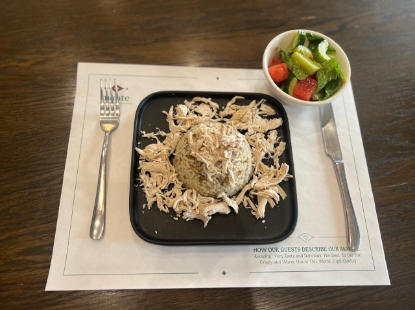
(41, 43)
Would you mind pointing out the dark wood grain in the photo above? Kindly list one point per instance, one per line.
(41, 44)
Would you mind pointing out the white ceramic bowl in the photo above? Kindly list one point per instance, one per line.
(282, 41)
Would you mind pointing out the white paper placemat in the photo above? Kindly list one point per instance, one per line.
(314, 255)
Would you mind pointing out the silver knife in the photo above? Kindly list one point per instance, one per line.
(332, 146)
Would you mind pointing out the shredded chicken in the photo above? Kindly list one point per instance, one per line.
(216, 151)
(160, 181)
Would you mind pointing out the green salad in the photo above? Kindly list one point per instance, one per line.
(308, 69)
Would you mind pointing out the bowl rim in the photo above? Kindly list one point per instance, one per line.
(285, 98)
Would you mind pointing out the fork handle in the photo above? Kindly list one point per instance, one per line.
(352, 227)
(98, 217)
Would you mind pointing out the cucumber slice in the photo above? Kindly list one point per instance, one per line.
(287, 82)
(312, 46)
(299, 39)
(331, 52)
(314, 37)
(309, 65)
(314, 41)
(320, 53)
(291, 85)
(304, 51)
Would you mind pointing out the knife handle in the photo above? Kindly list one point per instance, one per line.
(352, 227)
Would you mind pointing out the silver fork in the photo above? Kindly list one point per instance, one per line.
(109, 119)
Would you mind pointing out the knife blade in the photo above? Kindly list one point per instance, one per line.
(333, 150)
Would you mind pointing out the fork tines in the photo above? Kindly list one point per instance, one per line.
(109, 103)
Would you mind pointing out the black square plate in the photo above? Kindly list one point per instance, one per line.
(158, 227)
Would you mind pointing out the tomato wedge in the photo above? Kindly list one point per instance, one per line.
(305, 89)
(278, 72)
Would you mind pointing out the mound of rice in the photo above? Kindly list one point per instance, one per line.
(213, 158)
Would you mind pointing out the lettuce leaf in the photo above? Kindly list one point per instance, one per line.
(299, 72)
(330, 71)
(318, 95)
(331, 88)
